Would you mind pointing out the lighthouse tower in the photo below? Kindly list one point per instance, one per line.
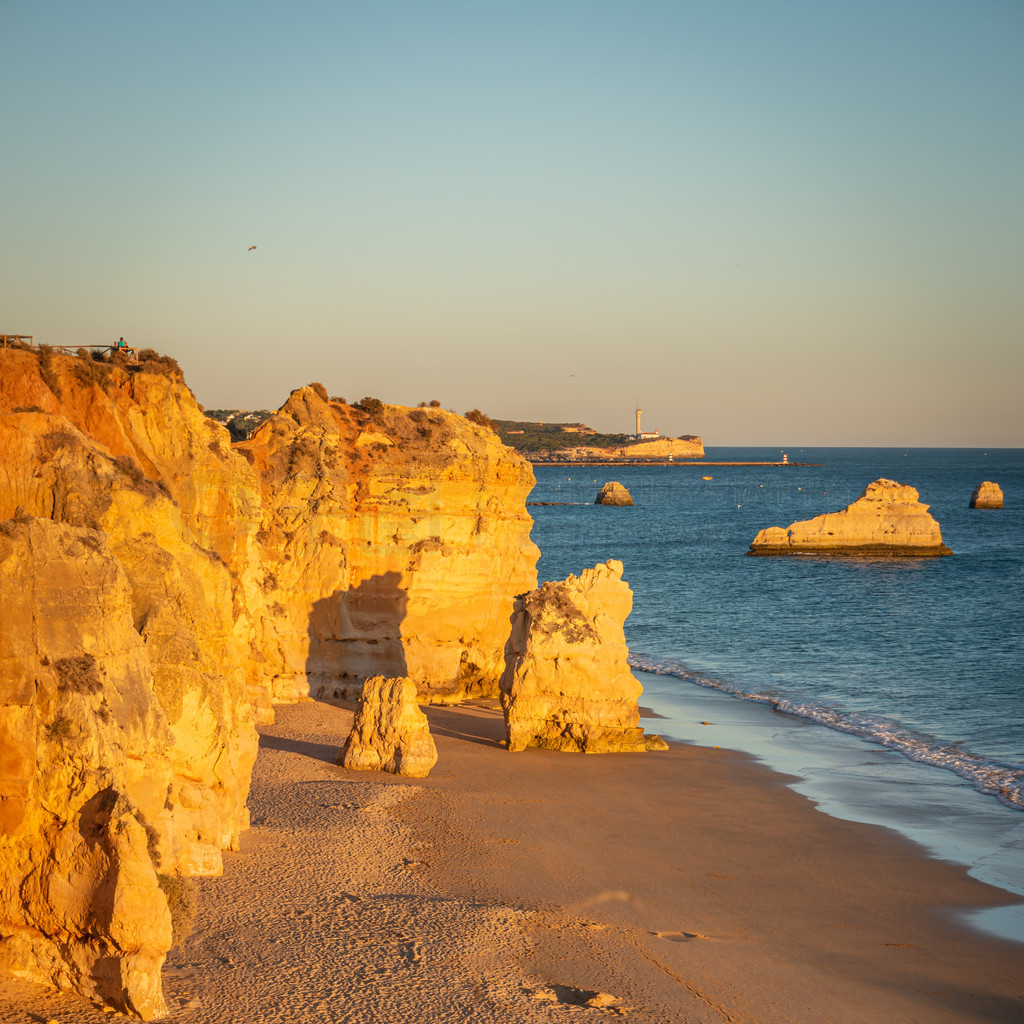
(639, 411)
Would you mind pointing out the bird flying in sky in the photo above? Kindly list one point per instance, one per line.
(251, 247)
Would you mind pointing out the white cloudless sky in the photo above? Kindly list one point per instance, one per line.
(769, 221)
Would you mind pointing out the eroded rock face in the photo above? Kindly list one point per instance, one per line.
(336, 544)
(567, 684)
(181, 608)
(613, 493)
(987, 495)
(392, 543)
(886, 520)
(390, 733)
(86, 773)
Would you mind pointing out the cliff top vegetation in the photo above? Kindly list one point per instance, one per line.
(530, 437)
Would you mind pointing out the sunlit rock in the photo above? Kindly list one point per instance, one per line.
(987, 495)
(567, 684)
(886, 520)
(390, 733)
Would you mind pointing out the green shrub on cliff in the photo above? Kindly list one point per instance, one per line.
(372, 406)
(481, 419)
(153, 362)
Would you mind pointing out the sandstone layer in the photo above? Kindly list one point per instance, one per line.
(886, 520)
(613, 493)
(336, 544)
(987, 495)
(567, 683)
(390, 733)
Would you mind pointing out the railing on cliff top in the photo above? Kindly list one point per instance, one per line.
(69, 350)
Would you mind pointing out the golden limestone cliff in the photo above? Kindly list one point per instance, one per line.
(393, 541)
(184, 601)
(886, 520)
(191, 584)
(87, 772)
(567, 683)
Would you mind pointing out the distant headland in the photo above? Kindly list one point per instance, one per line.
(576, 442)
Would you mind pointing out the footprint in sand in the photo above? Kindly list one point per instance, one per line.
(680, 936)
(413, 865)
(579, 998)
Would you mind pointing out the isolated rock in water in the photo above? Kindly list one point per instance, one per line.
(987, 495)
(87, 773)
(390, 732)
(613, 493)
(887, 519)
(567, 683)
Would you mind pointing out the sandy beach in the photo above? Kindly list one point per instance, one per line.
(687, 886)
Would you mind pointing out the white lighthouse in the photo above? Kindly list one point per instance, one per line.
(640, 435)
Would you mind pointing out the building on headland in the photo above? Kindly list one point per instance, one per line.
(642, 435)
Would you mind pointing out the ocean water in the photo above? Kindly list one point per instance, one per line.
(891, 690)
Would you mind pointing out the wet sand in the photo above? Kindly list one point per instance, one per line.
(685, 886)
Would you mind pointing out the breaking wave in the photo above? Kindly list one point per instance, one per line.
(1001, 779)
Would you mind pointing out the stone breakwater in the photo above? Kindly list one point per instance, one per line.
(161, 589)
(886, 520)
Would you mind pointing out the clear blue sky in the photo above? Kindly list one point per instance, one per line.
(772, 221)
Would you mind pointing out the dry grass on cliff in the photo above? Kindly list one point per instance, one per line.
(48, 372)
(89, 370)
(553, 613)
(56, 440)
(79, 674)
(145, 485)
(152, 361)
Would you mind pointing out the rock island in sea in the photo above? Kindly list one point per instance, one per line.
(886, 520)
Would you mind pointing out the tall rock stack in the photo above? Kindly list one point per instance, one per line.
(567, 683)
(390, 733)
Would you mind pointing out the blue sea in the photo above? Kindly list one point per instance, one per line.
(891, 690)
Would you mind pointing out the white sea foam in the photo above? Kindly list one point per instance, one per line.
(1001, 779)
